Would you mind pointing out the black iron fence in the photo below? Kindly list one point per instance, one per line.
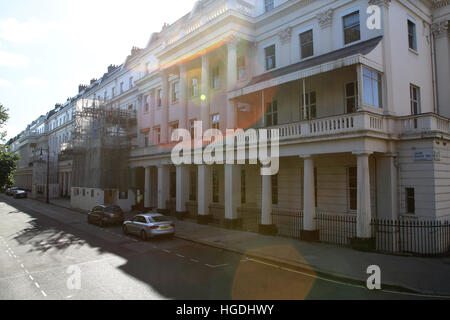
(421, 238)
(336, 229)
(289, 224)
(424, 238)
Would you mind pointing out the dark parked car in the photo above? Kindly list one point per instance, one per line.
(105, 215)
(10, 191)
(20, 194)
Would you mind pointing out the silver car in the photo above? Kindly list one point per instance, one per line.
(19, 194)
(149, 225)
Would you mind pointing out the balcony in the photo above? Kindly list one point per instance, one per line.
(359, 124)
(364, 122)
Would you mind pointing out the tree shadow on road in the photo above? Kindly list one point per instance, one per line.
(41, 239)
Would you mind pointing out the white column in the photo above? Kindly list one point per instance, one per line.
(266, 206)
(205, 101)
(364, 206)
(231, 81)
(163, 186)
(309, 205)
(182, 188)
(387, 187)
(147, 191)
(183, 97)
(204, 189)
(165, 107)
(232, 191)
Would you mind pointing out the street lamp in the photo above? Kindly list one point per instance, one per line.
(47, 200)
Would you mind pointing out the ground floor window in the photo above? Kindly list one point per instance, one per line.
(215, 177)
(410, 201)
(275, 189)
(193, 185)
(173, 184)
(243, 187)
(123, 195)
(315, 188)
(353, 188)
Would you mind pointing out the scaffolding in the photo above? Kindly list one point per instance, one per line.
(101, 146)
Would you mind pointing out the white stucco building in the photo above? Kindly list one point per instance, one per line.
(362, 112)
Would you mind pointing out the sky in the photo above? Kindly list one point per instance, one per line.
(49, 47)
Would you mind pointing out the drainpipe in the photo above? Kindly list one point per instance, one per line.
(434, 71)
(304, 100)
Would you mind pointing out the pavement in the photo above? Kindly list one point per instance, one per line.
(429, 276)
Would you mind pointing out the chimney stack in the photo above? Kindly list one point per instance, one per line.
(81, 88)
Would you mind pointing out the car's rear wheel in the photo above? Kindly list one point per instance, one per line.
(143, 235)
(125, 230)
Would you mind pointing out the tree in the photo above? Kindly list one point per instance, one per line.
(8, 160)
(4, 116)
(8, 165)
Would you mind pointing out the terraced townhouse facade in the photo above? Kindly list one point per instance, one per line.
(362, 112)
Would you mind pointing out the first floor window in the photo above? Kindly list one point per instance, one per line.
(352, 30)
(308, 107)
(275, 189)
(192, 128)
(160, 97)
(172, 128)
(372, 87)
(268, 5)
(272, 114)
(215, 177)
(415, 100)
(175, 92)
(157, 135)
(215, 121)
(412, 37)
(131, 83)
(353, 188)
(194, 87)
(241, 68)
(215, 81)
(410, 201)
(306, 44)
(146, 138)
(270, 58)
(351, 97)
(146, 104)
(193, 185)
